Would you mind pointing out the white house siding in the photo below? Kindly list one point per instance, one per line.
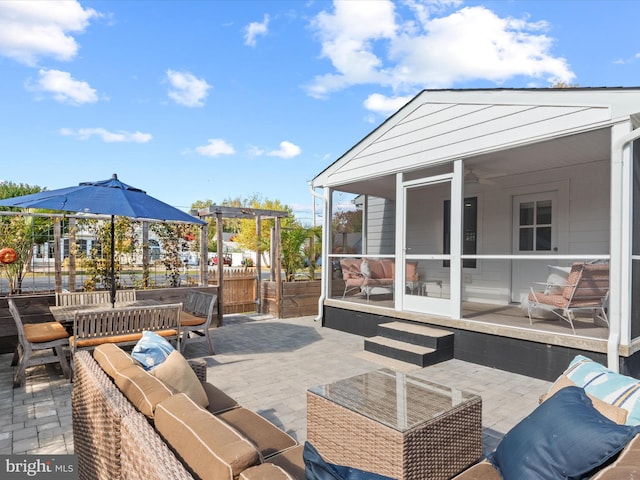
(589, 210)
(583, 223)
(381, 218)
(433, 133)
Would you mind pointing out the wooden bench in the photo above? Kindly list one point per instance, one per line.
(124, 325)
(197, 315)
(68, 299)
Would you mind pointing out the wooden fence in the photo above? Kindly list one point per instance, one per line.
(239, 290)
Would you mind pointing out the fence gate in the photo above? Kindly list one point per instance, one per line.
(239, 292)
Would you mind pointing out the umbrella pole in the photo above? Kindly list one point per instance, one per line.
(113, 263)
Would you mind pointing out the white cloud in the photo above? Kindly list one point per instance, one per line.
(107, 136)
(254, 29)
(286, 150)
(347, 38)
(63, 87)
(215, 148)
(474, 43)
(41, 29)
(186, 89)
(428, 48)
(385, 105)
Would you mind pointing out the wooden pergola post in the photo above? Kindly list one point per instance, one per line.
(257, 214)
(72, 254)
(204, 255)
(219, 239)
(145, 254)
(57, 254)
(278, 269)
(258, 263)
(272, 254)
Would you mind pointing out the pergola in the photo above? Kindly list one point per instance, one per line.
(221, 212)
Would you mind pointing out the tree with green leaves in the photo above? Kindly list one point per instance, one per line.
(20, 232)
(171, 238)
(347, 221)
(291, 249)
(247, 236)
(313, 249)
(98, 263)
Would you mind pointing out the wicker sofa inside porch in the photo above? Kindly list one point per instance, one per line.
(366, 274)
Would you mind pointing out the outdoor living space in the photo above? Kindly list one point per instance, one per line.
(514, 241)
(267, 365)
(507, 217)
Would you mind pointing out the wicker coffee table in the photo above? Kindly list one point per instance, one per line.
(395, 424)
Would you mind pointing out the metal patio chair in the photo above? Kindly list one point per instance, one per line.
(587, 289)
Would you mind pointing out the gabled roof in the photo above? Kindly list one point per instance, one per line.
(438, 126)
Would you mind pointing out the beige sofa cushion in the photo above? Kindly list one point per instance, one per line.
(291, 461)
(142, 389)
(218, 400)
(613, 413)
(112, 358)
(176, 373)
(626, 466)
(266, 471)
(212, 449)
(267, 438)
(480, 471)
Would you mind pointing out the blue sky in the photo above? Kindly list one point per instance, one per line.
(196, 100)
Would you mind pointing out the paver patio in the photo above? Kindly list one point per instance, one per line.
(267, 365)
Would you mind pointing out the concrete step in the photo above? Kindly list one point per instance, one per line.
(387, 362)
(402, 351)
(417, 334)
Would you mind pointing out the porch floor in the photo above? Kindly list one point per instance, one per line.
(510, 316)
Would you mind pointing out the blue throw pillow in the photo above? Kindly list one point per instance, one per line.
(151, 350)
(316, 468)
(564, 438)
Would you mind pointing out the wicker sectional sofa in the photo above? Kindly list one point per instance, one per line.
(127, 423)
(586, 426)
(130, 424)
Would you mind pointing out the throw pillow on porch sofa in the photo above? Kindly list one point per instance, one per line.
(557, 279)
(563, 438)
(364, 268)
(607, 385)
(178, 375)
(613, 413)
(151, 350)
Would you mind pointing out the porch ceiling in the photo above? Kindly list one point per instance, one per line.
(557, 153)
(560, 152)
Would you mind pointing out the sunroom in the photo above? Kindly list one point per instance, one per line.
(483, 202)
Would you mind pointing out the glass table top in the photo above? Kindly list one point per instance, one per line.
(398, 400)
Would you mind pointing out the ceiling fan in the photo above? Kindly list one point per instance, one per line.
(472, 178)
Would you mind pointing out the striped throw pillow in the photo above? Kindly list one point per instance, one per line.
(614, 388)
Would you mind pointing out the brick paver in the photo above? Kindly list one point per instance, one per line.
(267, 365)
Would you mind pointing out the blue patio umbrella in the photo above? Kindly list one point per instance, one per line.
(105, 197)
